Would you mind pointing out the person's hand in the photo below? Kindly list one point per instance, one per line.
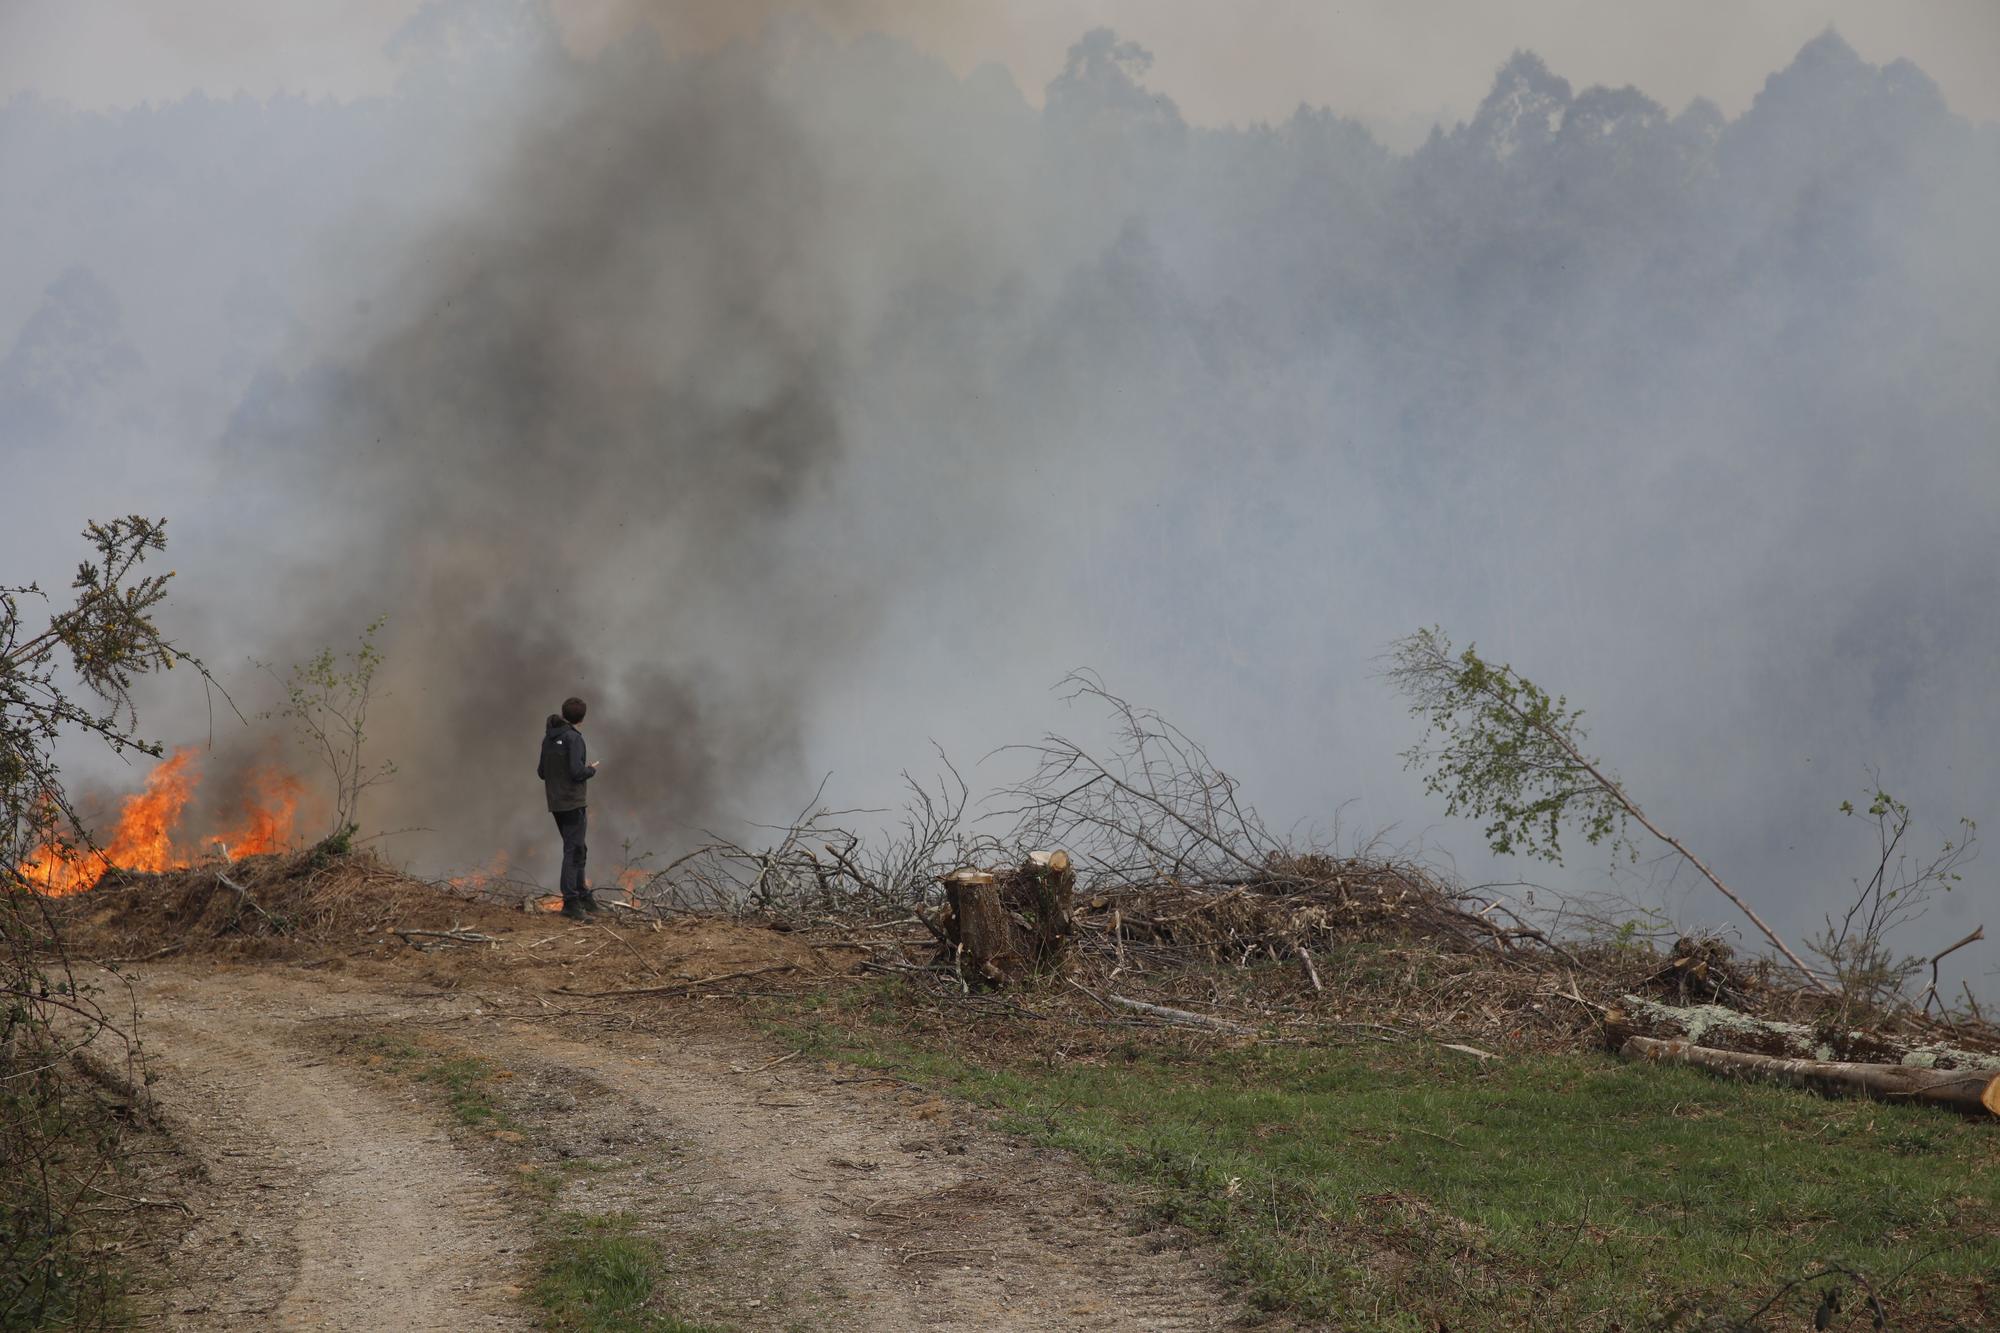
(594, 763)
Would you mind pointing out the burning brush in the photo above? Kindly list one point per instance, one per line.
(147, 834)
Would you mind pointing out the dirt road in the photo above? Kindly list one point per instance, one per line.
(787, 1194)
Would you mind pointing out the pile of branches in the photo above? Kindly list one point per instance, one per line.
(268, 906)
(1173, 868)
(821, 872)
(1177, 875)
(1303, 902)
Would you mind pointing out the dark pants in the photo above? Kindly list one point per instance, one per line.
(572, 824)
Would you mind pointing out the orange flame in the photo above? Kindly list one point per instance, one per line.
(267, 817)
(479, 879)
(144, 836)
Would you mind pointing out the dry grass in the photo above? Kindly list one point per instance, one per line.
(1392, 949)
(352, 910)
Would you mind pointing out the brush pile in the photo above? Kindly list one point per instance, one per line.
(328, 906)
(1139, 880)
(275, 906)
(1169, 869)
(1174, 890)
(1302, 903)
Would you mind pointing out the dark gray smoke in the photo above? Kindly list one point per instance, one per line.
(803, 402)
(568, 464)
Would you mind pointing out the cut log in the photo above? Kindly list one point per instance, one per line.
(456, 935)
(1974, 1091)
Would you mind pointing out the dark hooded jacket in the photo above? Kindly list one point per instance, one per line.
(564, 768)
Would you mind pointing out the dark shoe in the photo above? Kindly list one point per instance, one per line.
(573, 910)
(590, 903)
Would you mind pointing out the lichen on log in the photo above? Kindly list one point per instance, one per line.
(1974, 1091)
(1718, 1027)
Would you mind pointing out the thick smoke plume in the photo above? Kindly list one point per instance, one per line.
(802, 401)
(575, 460)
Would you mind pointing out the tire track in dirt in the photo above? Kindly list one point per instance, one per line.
(882, 1214)
(788, 1196)
(328, 1204)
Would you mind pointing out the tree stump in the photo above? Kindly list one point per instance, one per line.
(1002, 927)
(977, 927)
(1042, 895)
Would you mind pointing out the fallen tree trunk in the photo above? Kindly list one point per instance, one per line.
(1975, 1091)
(1714, 1027)
(1183, 1018)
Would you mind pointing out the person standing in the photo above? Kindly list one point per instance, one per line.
(564, 769)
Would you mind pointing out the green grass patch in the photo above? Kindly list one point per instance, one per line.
(464, 1080)
(387, 1048)
(598, 1275)
(1410, 1187)
(594, 1273)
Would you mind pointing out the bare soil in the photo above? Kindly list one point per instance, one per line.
(325, 1202)
(330, 1191)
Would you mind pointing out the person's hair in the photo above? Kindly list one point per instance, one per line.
(573, 710)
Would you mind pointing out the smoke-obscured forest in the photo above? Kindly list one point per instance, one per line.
(803, 402)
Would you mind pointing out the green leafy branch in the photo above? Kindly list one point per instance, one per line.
(107, 638)
(1509, 753)
(327, 697)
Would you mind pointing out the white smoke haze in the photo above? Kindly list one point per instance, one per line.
(802, 401)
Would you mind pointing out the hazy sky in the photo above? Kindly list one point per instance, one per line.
(1392, 62)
